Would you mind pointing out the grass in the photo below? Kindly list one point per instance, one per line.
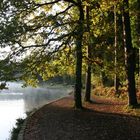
(19, 123)
(132, 110)
(15, 131)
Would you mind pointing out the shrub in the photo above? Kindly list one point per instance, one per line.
(15, 131)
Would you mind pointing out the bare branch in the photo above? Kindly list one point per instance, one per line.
(47, 3)
(64, 10)
(56, 1)
(49, 41)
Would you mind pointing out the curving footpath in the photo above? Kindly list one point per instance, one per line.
(102, 120)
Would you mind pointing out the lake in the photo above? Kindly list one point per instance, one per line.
(16, 101)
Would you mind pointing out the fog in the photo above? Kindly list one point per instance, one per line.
(16, 101)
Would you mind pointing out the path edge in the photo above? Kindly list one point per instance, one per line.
(23, 127)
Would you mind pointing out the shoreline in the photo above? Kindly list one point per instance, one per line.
(21, 133)
(59, 120)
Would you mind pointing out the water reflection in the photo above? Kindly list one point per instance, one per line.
(40, 97)
(15, 101)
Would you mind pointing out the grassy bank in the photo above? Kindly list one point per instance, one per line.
(15, 131)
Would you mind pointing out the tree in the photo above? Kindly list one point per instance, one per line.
(138, 29)
(79, 39)
(35, 26)
(130, 52)
(116, 79)
(89, 52)
(44, 29)
(43, 68)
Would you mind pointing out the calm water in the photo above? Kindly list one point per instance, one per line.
(15, 101)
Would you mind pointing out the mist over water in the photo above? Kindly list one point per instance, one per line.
(15, 101)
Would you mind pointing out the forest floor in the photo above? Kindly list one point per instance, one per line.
(103, 119)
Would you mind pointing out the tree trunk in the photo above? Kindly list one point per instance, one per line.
(138, 32)
(138, 20)
(116, 79)
(124, 39)
(79, 38)
(130, 51)
(88, 84)
(139, 63)
(139, 67)
(88, 72)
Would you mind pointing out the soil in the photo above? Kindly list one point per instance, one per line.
(103, 119)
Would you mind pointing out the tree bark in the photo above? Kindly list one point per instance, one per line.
(130, 60)
(138, 20)
(124, 39)
(88, 85)
(138, 32)
(88, 72)
(79, 38)
(116, 79)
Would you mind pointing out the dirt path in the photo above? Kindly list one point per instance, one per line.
(59, 121)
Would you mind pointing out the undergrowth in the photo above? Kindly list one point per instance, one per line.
(15, 131)
(109, 92)
(133, 110)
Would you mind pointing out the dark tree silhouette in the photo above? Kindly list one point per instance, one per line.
(130, 56)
